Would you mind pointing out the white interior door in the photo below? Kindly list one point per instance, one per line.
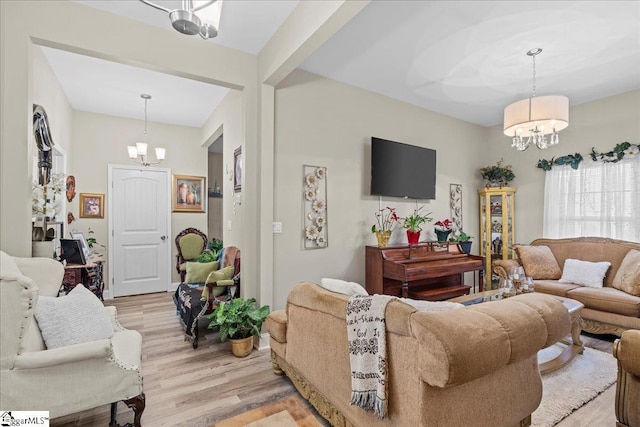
(140, 247)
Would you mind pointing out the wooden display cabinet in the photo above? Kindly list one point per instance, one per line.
(497, 227)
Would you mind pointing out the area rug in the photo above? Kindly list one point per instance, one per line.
(292, 411)
(567, 389)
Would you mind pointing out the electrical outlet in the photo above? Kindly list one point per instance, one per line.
(229, 225)
(277, 227)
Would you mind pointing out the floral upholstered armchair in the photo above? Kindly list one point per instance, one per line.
(190, 242)
(62, 354)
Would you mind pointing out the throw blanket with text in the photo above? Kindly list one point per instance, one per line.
(366, 332)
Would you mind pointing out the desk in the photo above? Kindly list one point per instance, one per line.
(90, 275)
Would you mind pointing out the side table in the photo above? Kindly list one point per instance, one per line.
(90, 275)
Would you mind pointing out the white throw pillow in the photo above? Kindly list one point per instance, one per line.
(72, 319)
(584, 273)
(343, 287)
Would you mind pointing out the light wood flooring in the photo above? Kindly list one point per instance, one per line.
(187, 387)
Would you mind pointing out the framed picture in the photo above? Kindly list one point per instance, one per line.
(86, 250)
(189, 193)
(91, 205)
(237, 170)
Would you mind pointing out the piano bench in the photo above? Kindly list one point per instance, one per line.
(439, 294)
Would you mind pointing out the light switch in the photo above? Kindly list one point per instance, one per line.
(277, 227)
(229, 225)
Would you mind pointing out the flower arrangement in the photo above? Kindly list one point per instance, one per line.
(416, 219)
(499, 173)
(445, 225)
(45, 199)
(386, 220)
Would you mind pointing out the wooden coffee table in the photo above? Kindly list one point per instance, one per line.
(573, 347)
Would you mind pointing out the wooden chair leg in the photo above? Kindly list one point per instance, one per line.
(114, 409)
(137, 404)
(196, 334)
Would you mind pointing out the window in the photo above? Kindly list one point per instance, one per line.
(598, 199)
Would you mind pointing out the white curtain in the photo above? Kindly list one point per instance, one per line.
(598, 199)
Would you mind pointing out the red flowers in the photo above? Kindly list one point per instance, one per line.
(444, 225)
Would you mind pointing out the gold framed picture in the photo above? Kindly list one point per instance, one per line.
(91, 205)
(188, 193)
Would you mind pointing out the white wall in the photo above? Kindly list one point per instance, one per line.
(325, 123)
(100, 140)
(601, 124)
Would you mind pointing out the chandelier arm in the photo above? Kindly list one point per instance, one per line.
(148, 3)
(202, 6)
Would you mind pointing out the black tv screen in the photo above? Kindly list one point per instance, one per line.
(402, 170)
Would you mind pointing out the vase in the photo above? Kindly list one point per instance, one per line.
(442, 235)
(383, 238)
(413, 237)
(466, 247)
(242, 347)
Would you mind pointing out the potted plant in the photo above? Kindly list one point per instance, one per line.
(412, 224)
(465, 241)
(498, 175)
(239, 321)
(442, 230)
(386, 221)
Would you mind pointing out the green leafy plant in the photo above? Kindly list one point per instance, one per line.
(238, 319)
(206, 256)
(618, 153)
(416, 219)
(572, 160)
(97, 248)
(499, 173)
(461, 237)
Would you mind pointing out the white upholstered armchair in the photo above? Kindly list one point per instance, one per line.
(65, 379)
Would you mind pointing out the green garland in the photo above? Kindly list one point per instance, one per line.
(618, 153)
(572, 160)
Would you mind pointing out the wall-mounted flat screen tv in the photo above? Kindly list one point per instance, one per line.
(402, 170)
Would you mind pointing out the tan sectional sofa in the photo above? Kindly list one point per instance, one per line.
(627, 351)
(469, 366)
(606, 310)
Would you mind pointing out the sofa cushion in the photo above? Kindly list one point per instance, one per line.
(584, 273)
(72, 319)
(538, 262)
(553, 287)
(197, 272)
(627, 278)
(607, 299)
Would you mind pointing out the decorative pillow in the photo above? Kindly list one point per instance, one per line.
(225, 273)
(197, 272)
(72, 319)
(584, 273)
(538, 262)
(628, 276)
(343, 287)
(222, 279)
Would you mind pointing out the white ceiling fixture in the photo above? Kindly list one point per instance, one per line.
(541, 116)
(138, 152)
(195, 17)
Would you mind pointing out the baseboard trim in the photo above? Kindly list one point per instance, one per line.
(263, 341)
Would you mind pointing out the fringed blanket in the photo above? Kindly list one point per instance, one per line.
(366, 332)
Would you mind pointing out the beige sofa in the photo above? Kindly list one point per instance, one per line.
(469, 366)
(606, 310)
(627, 351)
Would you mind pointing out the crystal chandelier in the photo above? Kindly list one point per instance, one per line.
(542, 117)
(138, 152)
(186, 21)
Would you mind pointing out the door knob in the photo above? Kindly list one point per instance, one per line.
(163, 237)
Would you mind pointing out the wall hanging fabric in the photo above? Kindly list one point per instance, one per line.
(314, 207)
(455, 205)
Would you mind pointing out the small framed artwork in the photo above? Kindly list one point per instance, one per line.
(237, 170)
(91, 205)
(189, 193)
(86, 250)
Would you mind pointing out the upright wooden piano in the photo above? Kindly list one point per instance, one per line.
(429, 271)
